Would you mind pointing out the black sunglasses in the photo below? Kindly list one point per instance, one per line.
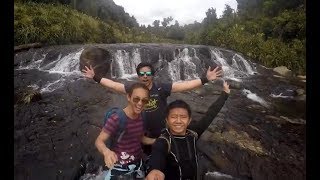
(137, 99)
(148, 73)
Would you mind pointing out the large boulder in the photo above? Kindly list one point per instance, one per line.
(99, 58)
(283, 71)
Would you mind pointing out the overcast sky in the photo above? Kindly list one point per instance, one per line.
(184, 11)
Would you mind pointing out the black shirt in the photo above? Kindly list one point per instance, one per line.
(163, 161)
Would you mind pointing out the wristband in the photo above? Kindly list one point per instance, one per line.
(204, 80)
(97, 78)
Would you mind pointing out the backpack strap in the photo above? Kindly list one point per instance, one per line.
(122, 124)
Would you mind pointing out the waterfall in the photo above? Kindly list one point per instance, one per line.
(124, 66)
(66, 66)
(35, 64)
(189, 67)
(182, 65)
(51, 86)
(241, 64)
(185, 65)
(238, 69)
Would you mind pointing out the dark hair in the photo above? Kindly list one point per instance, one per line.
(145, 64)
(178, 104)
(135, 86)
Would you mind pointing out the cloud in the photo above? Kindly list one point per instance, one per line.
(184, 11)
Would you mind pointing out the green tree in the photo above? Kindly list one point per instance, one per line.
(176, 32)
(166, 21)
(156, 23)
(228, 12)
(211, 17)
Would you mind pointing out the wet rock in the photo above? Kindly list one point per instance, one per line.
(18, 134)
(256, 107)
(277, 76)
(301, 98)
(234, 85)
(301, 77)
(273, 118)
(284, 105)
(283, 71)
(294, 121)
(218, 176)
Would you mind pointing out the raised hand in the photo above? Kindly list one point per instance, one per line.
(213, 74)
(226, 87)
(110, 158)
(155, 175)
(88, 72)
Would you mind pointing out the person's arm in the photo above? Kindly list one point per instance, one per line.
(191, 84)
(116, 86)
(109, 156)
(159, 155)
(147, 141)
(212, 111)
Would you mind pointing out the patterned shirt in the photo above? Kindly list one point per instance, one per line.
(128, 149)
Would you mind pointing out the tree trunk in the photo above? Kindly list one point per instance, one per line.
(27, 46)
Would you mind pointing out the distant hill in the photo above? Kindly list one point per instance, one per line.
(106, 10)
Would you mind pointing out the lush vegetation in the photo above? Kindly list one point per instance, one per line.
(106, 10)
(47, 24)
(271, 32)
(59, 24)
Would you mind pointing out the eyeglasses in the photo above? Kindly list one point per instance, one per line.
(137, 100)
(148, 73)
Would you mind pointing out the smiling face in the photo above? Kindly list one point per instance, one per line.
(138, 99)
(178, 120)
(145, 76)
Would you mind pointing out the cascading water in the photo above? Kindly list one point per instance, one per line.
(238, 69)
(241, 64)
(254, 97)
(67, 67)
(182, 65)
(124, 64)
